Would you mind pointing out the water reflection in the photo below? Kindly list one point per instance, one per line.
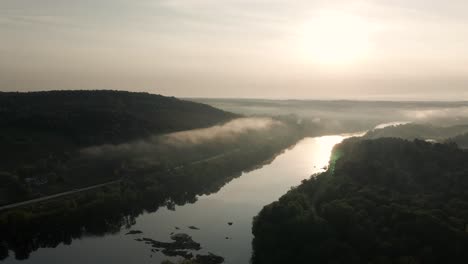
(237, 202)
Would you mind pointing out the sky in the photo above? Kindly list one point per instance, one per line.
(279, 49)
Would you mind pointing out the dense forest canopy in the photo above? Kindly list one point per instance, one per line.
(98, 117)
(381, 201)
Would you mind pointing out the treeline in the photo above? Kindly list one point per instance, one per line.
(417, 131)
(449, 134)
(42, 131)
(381, 201)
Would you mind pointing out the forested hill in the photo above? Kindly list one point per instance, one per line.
(381, 201)
(50, 125)
(96, 117)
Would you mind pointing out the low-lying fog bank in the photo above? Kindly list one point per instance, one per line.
(367, 112)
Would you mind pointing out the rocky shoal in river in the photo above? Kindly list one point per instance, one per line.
(180, 246)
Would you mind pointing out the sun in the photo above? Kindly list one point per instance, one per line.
(335, 38)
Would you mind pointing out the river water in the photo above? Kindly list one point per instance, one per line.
(237, 202)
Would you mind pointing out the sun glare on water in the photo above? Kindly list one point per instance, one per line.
(335, 38)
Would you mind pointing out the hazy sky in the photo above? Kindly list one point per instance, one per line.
(380, 49)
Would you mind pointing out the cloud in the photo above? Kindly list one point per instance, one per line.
(221, 132)
(157, 145)
(437, 113)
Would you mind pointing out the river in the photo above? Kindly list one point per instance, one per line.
(237, 202)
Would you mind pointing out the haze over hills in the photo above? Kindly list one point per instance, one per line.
(40, 123)
(43, 131)
(365, 113)
(417, 131)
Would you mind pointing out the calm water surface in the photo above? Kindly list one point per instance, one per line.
(238, 202)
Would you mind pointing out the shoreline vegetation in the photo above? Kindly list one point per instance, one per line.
(385, 200)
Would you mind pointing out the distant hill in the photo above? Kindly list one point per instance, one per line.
(417, 131)
(94, 117)
(37, 124)
(381, 201)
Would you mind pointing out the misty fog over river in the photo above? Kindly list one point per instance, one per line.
(237, 202)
